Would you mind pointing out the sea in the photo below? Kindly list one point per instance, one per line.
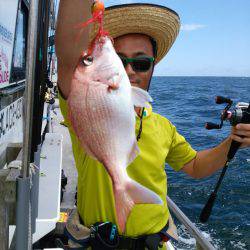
(189, 102)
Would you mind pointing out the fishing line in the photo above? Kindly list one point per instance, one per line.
(138, 137)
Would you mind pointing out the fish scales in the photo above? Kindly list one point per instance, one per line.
(102, 124)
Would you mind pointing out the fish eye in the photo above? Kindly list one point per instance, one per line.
(87, 60)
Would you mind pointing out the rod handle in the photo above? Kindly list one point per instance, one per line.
(233, 149)
(206, 211)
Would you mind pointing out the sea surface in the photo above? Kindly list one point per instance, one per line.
(189, 102)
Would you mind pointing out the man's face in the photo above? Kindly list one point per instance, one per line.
(131, 46)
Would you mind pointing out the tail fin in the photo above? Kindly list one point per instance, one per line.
(125, 199)
(141, 194)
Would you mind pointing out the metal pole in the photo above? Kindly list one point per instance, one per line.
(4, 217)
(23, 209)
(23, 215)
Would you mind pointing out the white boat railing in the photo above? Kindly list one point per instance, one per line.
(201, 241)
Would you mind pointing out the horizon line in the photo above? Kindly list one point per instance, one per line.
(199, 76)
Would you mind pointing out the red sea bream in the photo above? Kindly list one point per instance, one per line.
(101, 109)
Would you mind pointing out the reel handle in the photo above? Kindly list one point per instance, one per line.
(221, 99)
(210, 125)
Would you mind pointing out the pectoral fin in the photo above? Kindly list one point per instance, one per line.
(140, 97)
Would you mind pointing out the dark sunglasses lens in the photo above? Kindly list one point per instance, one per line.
(141, 64)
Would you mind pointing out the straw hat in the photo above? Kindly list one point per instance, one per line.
(158, 22)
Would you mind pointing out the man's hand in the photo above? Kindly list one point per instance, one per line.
(68, 47)
(241, 133)
(209, 161)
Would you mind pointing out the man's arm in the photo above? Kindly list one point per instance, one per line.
(68, 45)
(209, 161)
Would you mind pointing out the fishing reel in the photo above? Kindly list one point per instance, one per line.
(241, 113)
(49, 97)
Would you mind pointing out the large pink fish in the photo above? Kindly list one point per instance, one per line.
(101, 110)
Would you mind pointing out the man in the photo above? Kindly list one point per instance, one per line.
(140, 31)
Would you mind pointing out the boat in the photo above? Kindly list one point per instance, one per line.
(31, 143)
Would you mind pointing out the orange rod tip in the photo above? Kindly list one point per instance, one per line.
(97, 6)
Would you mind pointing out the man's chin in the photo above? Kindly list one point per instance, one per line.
(134, 84)
(138, 86)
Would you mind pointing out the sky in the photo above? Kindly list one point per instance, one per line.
(214, 39)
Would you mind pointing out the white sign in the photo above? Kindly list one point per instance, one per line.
(8, 13)
(11, 122)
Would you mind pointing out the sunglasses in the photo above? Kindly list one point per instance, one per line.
(138, 64)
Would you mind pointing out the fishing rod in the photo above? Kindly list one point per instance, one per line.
(41, 76)
(241, 114)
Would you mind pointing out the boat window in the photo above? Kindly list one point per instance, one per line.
(20, 45)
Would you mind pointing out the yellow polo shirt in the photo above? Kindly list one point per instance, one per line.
(159, 143)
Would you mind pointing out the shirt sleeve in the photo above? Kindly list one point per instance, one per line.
(180, 151)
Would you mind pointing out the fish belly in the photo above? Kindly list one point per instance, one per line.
(103, 121)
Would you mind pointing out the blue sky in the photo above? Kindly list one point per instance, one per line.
(214, 39)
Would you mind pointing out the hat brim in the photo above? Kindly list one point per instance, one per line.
(158, 22)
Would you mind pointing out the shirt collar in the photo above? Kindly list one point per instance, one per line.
(147, 111)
